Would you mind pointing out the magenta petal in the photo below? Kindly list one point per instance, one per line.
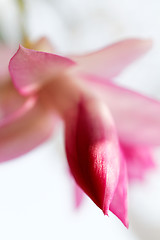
(25, 133)
(31, 69)
(12, 105)
(5, 55)
(137, 117)
(79, 195)
(92, 151)
(119, 204)
(110, 61)
(139, 160)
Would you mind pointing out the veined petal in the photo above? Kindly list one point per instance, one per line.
(93, 151)
(139, 160)
(31, 69)
(110, 61)
(137, 117)
(119, 204)
(25, 133)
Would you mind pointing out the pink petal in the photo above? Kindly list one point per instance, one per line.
(5, 55)
(79, 195)
(92, 151)
(137, 117)
(62, 93)
(31, 69)
(12, 105)
(43, 45)
(25, 133)
(110, 61)
(119, 204)
(139, 160)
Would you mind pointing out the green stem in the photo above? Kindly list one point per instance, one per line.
(22, 11)
(21, 5)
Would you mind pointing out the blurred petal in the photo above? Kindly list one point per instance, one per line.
(137, 117)
(92, 150)
(139, 160)
(43, 45)
(25, 133)
(119, 204)
(62, 93)
(79, 195)
(5, 55)
(31, 69)
(77, 191)
(110, 61)
(12, 105)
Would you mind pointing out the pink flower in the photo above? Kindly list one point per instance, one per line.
(105, 125)
(24, 122)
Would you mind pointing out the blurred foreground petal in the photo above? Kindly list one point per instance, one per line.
(43, 45)
(12, 105)
(137, 117)
(25, 133)
(139, 160)
(79, 195)
(5, 55)
(110, 61)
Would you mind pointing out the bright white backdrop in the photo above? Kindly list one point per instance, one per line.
(36, 194)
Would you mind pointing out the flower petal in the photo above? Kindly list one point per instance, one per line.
(137, 117)
(12, 105)
(62, 93)
(5, 55)
(119, 204)
(92, 150)
(43, 44)
(110, 61)
(139, 160)
(25, 133)
(77, 192)
(79, 195)
(31, 69)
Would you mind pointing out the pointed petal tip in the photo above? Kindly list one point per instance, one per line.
(125, 221)
(20, 48)
(105, 212)
(143, 41)
(126, 225)
(140, 46)
(30, 69)
(147, 43)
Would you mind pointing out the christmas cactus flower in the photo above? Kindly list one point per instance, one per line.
(108, 129)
